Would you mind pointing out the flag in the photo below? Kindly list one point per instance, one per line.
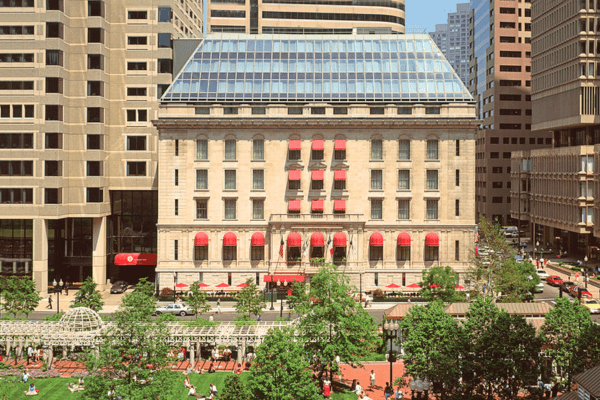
(281, 251)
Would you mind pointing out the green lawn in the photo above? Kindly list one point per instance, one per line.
(56, 388)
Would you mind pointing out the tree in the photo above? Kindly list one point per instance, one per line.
(516, 281)
(20, 296)
(331, 322)
(133, 355)
(445, 277)
(431, 342)
(88, 296)
(563, 331)
(234, 389)
(281, 369)
(249, 300)
(197, 300)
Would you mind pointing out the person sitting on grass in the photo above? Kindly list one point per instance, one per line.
(238, 370)
(186, 382)
(193, 393)
(211, 369)
(26, 376)
(73, 387)
(31, 390)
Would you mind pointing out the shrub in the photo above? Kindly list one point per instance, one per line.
(379, 293)
(203, 322)
(166, 292)
(53, 317)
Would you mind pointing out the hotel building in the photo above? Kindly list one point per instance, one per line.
(276, 150)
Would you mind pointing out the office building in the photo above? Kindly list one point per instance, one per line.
(354, 149)
(500, 82)
(559, 185)
(79, 89)
(304, 16)
(453, 40)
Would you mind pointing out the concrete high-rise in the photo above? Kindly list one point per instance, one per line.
(453, 40)
(304, 16)
(500, 82)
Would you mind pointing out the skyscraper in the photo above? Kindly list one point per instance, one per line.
(500, 82)
(453, 40)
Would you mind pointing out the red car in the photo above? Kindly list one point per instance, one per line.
(554, 280)
(574, 292)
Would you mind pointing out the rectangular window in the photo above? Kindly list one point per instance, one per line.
(339, 185)
(136, 168)
(94, 168)
(176, 177)
(258, 209)
(431, 253)
(136, 143)
(258, 149)
(95, 35)
(432, 179)
(94, 195)
(95, 61)
(161, 89)
(457, 208)
(230, 179)
(164, 40)
(340, 110)
(136, 91)
(257, 253)
(294, 110)
(95, 8)
(201, 209)
(376, 209)
(55, 5)
(294, 185)
(432, 209)
(137, 40)
(230, 208)
(16, 196)
(376, 149)
(230, 110)
(52, 168)
(94, 142)
(404, 179)
(432, 150)
(176, 250)
(258, 179)
(137, 66)
(95, 114)
(432, 110)
(229, 254)
(137, 115)
(54, 30)
(201, 149)
(230, 152)
(24, 168)
(54, 112)
(54, 85)
(404, 110)
(259, 110)
(404, 150)
(294, 154)
(457, 177)
(137, 14)
(200, 253)
(458, 148)
(176, 207)
(53, 140)
(52, 196)
(403, 209)
(165, 66)
(54, 57)
(176, 147)
(95, 88)
(316, 184)
(456, 250)
(376, 179)
(164, 14)
(376, 254)
(403, 254)
(201, 179)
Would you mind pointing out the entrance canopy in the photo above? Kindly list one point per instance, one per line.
(284, 278)
(135, 259)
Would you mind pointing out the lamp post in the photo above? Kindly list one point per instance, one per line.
(418, 386)
(272, 282)
(57, 292)
(537, 244)
(585, 260)
(390, 329)
(360, 289)
(281, 309)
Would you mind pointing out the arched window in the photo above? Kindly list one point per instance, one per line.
(229, 247)
(257, 244)
(376, 246)
(403, 247)
(201, 246)
(432, 246)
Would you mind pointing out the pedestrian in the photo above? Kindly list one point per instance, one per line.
(357, 389)
(388, 391)
(219, 305)
(66, 286)
(399, 394)
(211, 318)
(258, 318)
(372, 377)
(327, 389)
(29, 353)
(213, 389)
(49, 302)
(547, 390)
(468, 297)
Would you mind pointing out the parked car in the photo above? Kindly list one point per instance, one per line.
(177, 309)
(566, 286)
(591, 304)
(119, 287)
(511, 231)
(554, 280)
(539, 288)
(518, 258)
(542, 274)
(574, 291)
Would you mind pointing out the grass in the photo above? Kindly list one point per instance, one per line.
(56, 388)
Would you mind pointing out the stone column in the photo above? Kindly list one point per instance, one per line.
(241, 352)
(40, 255)
(64, 352)
(50, 356)
(192, 357)
(99, 252)
(8, 349)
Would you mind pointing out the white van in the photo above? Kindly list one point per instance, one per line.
(511, 231)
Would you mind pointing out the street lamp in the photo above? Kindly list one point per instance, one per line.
(390, 330)
(281, 309)
(413, 386)
(272, 308)
(419, 387)
(426, 386)
(585, 260)
(537, 244)
(57, 292)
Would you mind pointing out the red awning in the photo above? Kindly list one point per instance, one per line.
(181, 286)
(317, 240)
(393, 286)
(243, 284)
(432, 239)
(317, 175)
(317, 205)
(135, 259)
(414, 286)
(403, 240)
(295, 144)
(229, 239)
(201, 239)
(339, 175)
(294, 174)
(294, 240)
(318, 145)
(258, 239)
(339, 205)
(339, 240)
(223, 285)
(284, 278)
(376, 239)
(294, 205)
(340, 145)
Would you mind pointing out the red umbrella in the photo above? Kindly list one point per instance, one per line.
(458, 287)
(202, 284)
(435, 286)
(392, 286)
(222, 285)
(414, 286)
(181, 286)
(243, 285)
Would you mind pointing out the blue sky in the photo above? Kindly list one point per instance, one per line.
(426, 13)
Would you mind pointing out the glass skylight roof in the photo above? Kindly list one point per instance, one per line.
(316, 68)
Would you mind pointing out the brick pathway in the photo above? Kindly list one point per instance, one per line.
(382, 375)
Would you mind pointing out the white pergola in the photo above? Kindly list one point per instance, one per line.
(82, 327)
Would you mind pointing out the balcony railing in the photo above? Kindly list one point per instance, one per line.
(316, 218)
